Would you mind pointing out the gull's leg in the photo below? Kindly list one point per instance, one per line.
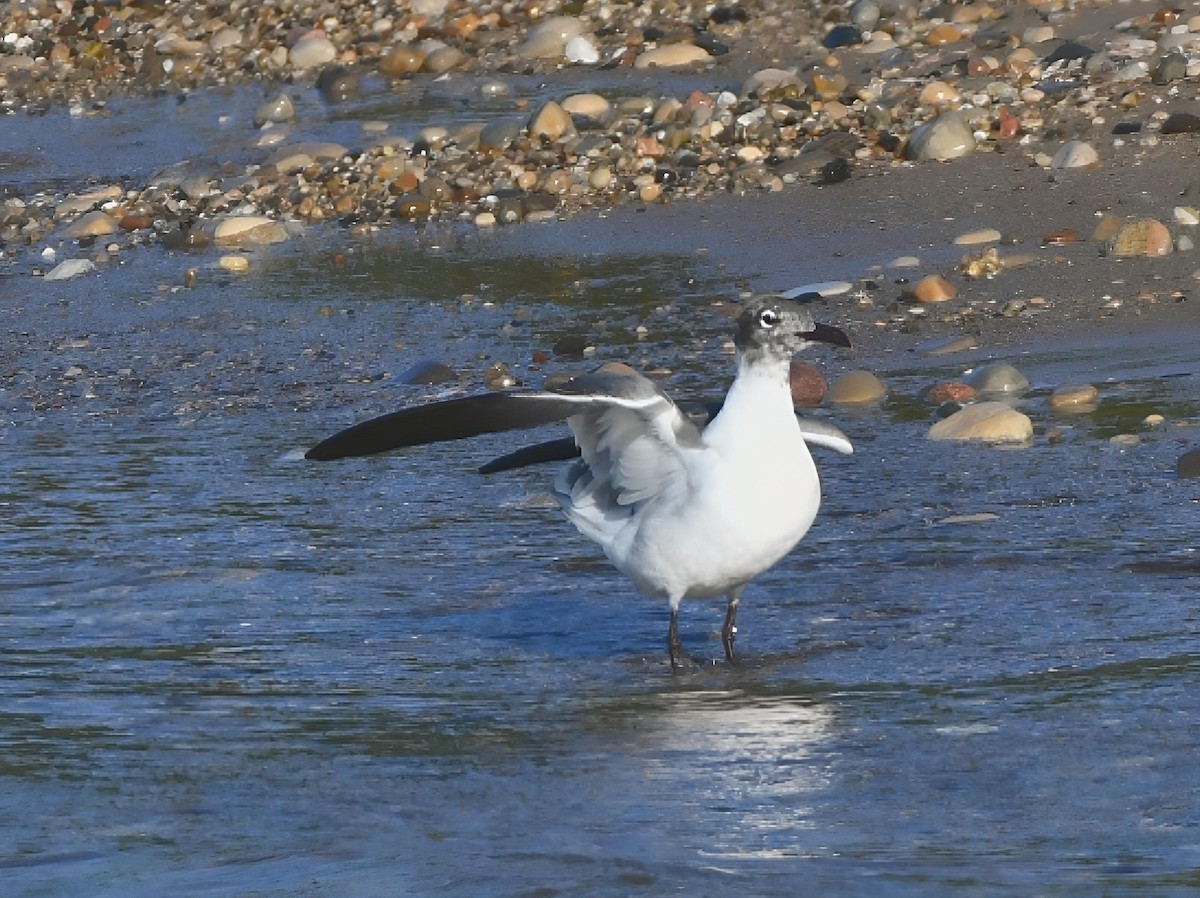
(729, 631)
(674, 644)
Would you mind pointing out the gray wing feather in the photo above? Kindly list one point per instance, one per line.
(630, 436)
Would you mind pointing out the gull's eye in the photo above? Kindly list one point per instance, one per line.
(768, 318)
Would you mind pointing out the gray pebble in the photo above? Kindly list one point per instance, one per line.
(998, 378)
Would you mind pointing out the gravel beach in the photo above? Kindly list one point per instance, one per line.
(1056, 135)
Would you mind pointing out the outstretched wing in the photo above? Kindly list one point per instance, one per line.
(816, 432)
(632, 439)
(452, 419)
(613, 388)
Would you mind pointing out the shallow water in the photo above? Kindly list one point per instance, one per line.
(230, 672)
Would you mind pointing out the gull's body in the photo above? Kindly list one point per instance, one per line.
(684, 513)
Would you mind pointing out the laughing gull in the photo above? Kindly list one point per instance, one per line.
(684, 512)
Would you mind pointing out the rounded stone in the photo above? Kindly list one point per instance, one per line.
(312, 51)
(402, 60)
(337, 84)
(92, 224)
(444, 59)
(989, 422)
(857, 388)
(249, 230)
(71, 268)
(277, 110)
(499, 134)
(1188, 464)
(581, 50)
(772, 81)
(950, 391)
(949, 136)
(975, 238)
(808, 384)
(1074, 398)
(1181, 123)
(591, 106)
(548, 38)
(934, 288)
(671, 55)
(998, 378)
(938, 93)
(412, 205)
(234, 263)
(1141, 238)
(942, 35)
(1075, 154)
(225, 39)
(551, 122)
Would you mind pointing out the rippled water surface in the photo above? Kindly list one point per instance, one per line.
(227, 671)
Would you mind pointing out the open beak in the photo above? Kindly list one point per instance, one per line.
(826, 333)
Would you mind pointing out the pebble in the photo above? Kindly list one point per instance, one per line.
(277, 110)
(1078, 398)
(1171, 67)
(1180, 123)
(998, 378)
(551, 121)
(989, 422)
(974, 238)
(948, 136)
(85, 202)
(857, 388)
(402, 60)
(91, 224)
(1060, 238)
(939, 94)
(1141, 238)
(234, 263)
(820, 288)
(1075, 154)
(548, 38)
(808, 384)
(948, 345)
(1106, 229)
(581, 50)
(950, 391)
(1187, 216)
(933, 288)
(249, 230)
(705, 139)
(499, 134)
(71, 268)
(1188, 464)
(1125, 440)
(427, 371)
(671, 56)
(592, 106)
(310, 52)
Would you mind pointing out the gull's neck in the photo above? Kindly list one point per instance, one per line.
(759, 399)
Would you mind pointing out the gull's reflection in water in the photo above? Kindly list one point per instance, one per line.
(745, 769)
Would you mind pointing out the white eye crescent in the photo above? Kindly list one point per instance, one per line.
(768, 318)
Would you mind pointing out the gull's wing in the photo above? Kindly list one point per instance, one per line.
(632, 439)
(819, 432)
(613, 387)
(452, 419)
(816, 432)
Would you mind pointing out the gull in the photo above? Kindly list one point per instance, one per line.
(684, 509)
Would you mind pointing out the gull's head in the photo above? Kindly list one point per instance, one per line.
(781, 328)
